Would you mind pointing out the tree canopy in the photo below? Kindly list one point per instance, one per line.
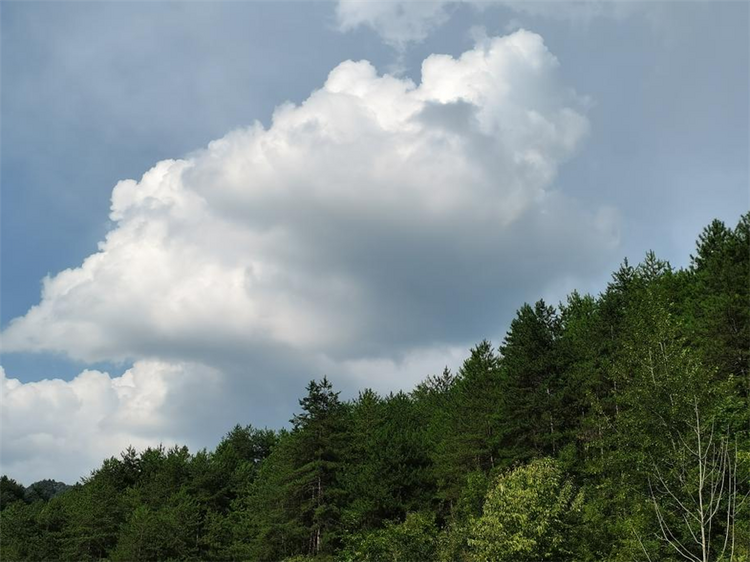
(610, 427)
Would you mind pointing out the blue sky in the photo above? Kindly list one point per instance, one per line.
(309, 244)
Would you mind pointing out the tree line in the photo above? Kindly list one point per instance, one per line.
(608, 428)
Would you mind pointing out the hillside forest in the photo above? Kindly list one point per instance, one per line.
(613, 427)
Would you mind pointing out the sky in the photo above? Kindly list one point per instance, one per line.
(205, 205)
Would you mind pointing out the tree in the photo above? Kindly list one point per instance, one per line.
(530, 384)
(414, 539)
(95, 512)
(471, 410)
(388, 468)
(477, 391)
(719, 310)
(320, 430)
(698, 492)
(45, 490)
(10, 491)
(363, 478)
(294, 506)
(234, 463)
(20, 532)
(266, 518)
(168, 532)
(528, 515)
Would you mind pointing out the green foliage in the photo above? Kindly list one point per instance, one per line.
(316, 449)
(267, 524)
(531, 386)
(45, 490)
(95, 512)
(453, 539)
(170, 532)
(471, 419)
(413, 539)
(528, 515)
(294, 506)
(635, 400)
(10, 492)
(19, 531)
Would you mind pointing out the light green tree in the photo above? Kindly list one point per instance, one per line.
(527, 516)
(414, 539)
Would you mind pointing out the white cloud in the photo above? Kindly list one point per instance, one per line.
(300, 234)
(400, 22)
(374, 227)
(64, 429)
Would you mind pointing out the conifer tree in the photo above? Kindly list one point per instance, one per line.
(530, 384)
(471, 441)
(319, 433)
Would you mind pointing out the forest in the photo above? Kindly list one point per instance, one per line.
(613, 427)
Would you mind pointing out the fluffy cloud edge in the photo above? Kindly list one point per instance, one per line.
(53, 428)
(372, 220)
(307, 233)
(64, 429)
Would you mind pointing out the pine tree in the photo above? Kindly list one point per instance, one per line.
(471, 440)
(530, 384)
(10, 491)
(319, 432)
(363, 476)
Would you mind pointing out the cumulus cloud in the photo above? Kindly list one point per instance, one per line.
(401, 22)
(378, 224)
(63, 429)
(357, 215)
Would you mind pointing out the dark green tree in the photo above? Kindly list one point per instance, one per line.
(95, 511)
(530, 384)
(10, 491)
(320, 430)
(471, 440)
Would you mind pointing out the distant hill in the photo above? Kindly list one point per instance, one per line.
(45, 490)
